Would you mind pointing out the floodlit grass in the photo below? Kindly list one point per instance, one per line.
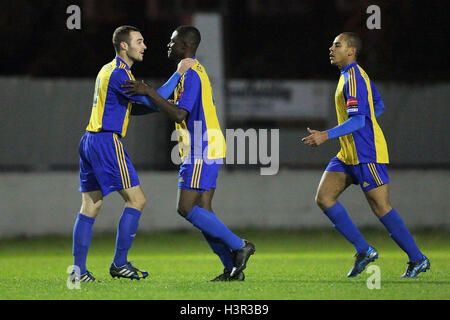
(286, 266)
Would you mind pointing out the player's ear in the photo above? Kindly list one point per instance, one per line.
(124, 45)
(185, 44)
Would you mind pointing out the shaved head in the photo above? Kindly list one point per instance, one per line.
(353, 41)
(190, 35)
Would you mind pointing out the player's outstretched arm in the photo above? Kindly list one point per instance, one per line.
(145, 105)
(167, 88)
(142, 88)
(316, 138)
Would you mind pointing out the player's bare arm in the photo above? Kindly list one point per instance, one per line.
(316, 138)
(143, 88)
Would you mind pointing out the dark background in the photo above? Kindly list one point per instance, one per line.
(271, 39)
(48, 74)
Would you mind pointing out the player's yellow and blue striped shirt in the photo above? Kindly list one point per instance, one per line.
(194, 94)
(111, 107)
(357, 95)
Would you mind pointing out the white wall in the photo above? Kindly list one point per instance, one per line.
(47, 203)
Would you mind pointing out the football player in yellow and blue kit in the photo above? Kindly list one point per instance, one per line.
(362, 160)
(202, 148)
(104, 163)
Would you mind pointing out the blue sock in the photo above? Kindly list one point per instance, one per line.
(219, 248)
(342, 222)
(208, 223)
(126, 231)
(82, 235)
(400, 234)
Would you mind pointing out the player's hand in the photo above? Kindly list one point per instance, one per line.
(184, 65)
(316, 138)
(137, 87)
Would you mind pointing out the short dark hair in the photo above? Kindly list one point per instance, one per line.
(122, 34)
(190, 34)
(354, 41)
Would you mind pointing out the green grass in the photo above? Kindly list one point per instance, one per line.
(286, 266)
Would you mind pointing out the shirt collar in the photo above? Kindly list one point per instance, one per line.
(120, 60)
(345, 69)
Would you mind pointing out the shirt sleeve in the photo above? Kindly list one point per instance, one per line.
(167, 88)
(355, 93)
(378, 104)
(164, 91)
(191, 91)
(354, 123)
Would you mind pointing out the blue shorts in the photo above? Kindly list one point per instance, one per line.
(104, 164)
(367, 175)
(197, 175)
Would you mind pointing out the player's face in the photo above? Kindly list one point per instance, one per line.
(175, 47)
(339, 52)
(136, 48)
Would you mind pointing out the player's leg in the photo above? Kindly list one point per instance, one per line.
(209, 224)
(195, 179)
(82, 230)
(186, 201)
(206, 199)
(188, 207)
(128, 224)
(134, 197)
(217, 246)
(118, 174)
(91, 203)
(336, 178)
(332, 184)
(378, 199)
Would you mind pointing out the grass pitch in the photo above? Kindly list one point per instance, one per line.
(286, 266)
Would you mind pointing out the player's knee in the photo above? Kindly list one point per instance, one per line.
(323, 201)
(380, 209)
(91, 209)
(183, 209)
(140, 202)
(143, 201)
(137, 202)
(205, 205)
